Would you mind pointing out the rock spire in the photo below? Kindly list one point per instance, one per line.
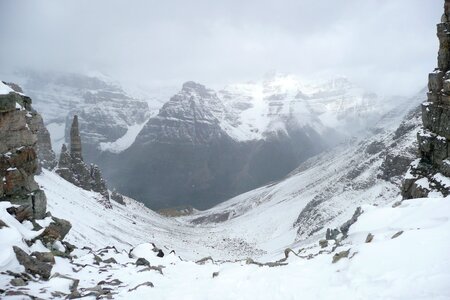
(72, 167)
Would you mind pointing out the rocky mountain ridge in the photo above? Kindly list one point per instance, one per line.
(430, 174)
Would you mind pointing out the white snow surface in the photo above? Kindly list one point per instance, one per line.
(4, 89)
(125, 141)
(414, 265)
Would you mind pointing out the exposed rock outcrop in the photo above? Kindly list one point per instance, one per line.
(72, 168)
(18, 152)
(46, 156)
(431, 172)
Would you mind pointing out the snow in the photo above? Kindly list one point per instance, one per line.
(414, 265)
(57, 135)
(125, 141)
(4, 89)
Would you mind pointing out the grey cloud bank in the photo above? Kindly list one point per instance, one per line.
(385, 46)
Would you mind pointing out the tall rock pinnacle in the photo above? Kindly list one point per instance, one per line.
(430, 172)
(75, 139)
(72, 168)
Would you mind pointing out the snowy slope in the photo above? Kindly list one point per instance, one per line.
(410, 245)
(325, 190)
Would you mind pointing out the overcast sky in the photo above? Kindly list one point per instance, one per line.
(387, 46)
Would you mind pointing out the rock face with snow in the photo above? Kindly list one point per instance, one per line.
(73, 169)
(106, 112)
(432, 171)
(18, 152)
(46, 156)
(186, 154)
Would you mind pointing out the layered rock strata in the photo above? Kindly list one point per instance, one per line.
(431, 172)
(18, 152)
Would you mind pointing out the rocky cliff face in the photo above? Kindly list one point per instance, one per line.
(197, 151)
(431, 172)
(18, 152)
(106, 112)
(46, 156)
(72, 168)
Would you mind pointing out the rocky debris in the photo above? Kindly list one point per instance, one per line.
(369, 238)
(396, 235)
(117, 197)
(72, 168)
(215, 274)
(32, 265)
(434, 137)
(340, 255)
(18, 154)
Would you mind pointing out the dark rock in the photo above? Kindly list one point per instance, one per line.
(69, 247)
(434, 137)
(73, 169)
(332, 234)
(56, 231)
(160, 253)
(18, 158)
(369, 238)
(2, 224)
(346, 226)
(148, 283)
(142, 262)
(110, 260)
(215, 274)
(21, 213)
(117, 197)
(32, 265)
(396, 235)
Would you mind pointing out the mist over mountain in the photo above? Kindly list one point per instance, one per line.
(150, 150)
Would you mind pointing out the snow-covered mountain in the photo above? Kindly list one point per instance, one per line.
(110, 118)
(266, 243)
(280, 103)
(116, 255)
(205, 146)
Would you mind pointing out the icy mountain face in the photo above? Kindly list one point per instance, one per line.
(192, 116)
(325, 190)
(284, 103)
(189, 155)
(107, 113)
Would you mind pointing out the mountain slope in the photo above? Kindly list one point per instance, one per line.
(107, 113)
(204, 147)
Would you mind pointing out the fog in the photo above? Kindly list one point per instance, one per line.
(387, 46)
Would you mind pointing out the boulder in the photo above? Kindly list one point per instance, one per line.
(32, 265)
